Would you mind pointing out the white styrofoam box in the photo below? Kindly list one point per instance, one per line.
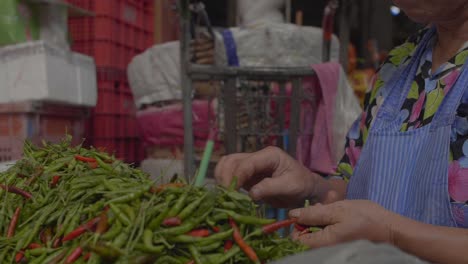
(86, 78)
(40, 71)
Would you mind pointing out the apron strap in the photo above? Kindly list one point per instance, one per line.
(400, 84)
(448, 109)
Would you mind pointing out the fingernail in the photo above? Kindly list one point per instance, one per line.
(255, 193)
(295, 213)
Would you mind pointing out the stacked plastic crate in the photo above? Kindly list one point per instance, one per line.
(119, 30)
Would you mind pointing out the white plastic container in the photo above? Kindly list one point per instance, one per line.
(40, 71)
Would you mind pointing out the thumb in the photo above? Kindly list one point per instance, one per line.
(317, 215)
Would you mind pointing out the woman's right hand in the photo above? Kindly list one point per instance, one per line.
(272, 176)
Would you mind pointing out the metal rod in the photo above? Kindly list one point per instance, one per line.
(287, 10)
(281, 111)
(295, 115)
(344, 21)
(230, 116)
(203, 72)
(189, 153)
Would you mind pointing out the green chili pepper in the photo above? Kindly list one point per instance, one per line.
(247, 219)
(104, 165)
(41, 251)
(185, 227)
(153, 250)
(187, 211)
(210, 247)
(129, 197)
(169, 260)
(113, 231)
(128, 212)
(179, 204)
(119, 214)
(39, 259)
(122, 238)
(229, 254)
(148, 242)
(215, 237)
(195, 255)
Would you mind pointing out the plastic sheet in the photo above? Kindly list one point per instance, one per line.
(254, 13)
(276, 45)
(164, 126)
(154, 75)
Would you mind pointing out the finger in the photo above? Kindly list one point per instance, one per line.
(206, 61)
(204, 54)
(317, 239)
(225, 168)
(317, 215)
(203, 46)
(270, 188)
(258, 165)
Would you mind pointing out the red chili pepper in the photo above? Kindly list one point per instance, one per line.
(93, 165)
(300, 227)
(16, 190)
(172, 221)
(161, 188)
(14, 221)
(19, 256)
(268, 229)
(102, 224)
(57, 242)
(55, 181)
(85, 159)
(199, 233)
(74, 255)
(81, 229)
(216, 229)
(87, 256)
(34, 245)
(228, 245)
(248, 250)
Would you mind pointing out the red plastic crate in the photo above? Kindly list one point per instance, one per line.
(128, 104)
(109, 102)
(124, 130)
(114, 75)
(107, 54)
(103, 126)
(38, 121)
(126, 22)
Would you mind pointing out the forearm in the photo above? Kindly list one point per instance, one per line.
(432, 243)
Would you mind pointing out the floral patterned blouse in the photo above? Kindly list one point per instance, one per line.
(422, 102)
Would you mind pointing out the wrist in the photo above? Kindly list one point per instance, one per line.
(326, 190)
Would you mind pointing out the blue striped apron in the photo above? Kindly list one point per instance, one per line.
(407, 172)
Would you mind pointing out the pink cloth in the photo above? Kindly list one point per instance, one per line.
(315, 144)
(164, 127)
(316, 151)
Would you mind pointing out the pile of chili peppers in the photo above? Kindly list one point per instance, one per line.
(64, 204)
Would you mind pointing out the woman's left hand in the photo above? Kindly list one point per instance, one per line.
(344, 221)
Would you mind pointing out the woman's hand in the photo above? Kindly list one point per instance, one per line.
(273, 176)
(345, 221)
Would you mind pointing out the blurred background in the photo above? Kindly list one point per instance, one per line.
(109, 72)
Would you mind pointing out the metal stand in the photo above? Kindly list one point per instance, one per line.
(231, 77)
